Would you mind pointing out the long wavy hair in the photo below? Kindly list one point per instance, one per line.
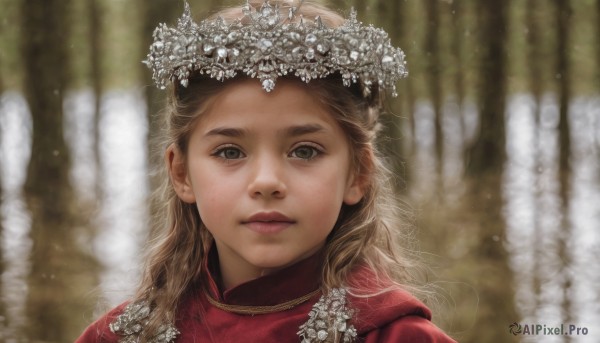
(376, 232)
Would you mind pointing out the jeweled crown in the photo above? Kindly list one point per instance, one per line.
(265, 44)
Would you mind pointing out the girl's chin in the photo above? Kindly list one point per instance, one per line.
(274, 262)
(270, 266)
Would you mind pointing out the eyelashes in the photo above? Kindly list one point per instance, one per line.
(306, 151)
(302, 151)
(228, 152)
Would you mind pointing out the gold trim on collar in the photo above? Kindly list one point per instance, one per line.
(240, 309)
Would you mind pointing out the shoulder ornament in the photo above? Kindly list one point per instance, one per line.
(131, 323)
(328, 320)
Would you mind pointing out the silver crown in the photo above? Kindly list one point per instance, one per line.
(270, 45)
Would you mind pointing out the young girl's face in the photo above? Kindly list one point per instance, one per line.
(269, 173)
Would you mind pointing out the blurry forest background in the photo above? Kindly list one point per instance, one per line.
(495, 137)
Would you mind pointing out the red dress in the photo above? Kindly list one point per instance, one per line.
(213, 316)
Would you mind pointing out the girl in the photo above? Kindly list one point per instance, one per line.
(279, 222)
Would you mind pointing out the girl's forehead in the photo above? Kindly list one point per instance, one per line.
(246, 102)
(243, 113)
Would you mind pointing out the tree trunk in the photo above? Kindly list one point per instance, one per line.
(52, 306)
(155, 12)
(598, 64)
(484, 166)
(158, 11)
(598, 45)
(2, 267)
(564, 86)
(456, 12)
(534, 56)
(563, 18)
(406, 89)
(434, 83)
(95, 17)
(487, 153)
(534, 53)
(391, 143)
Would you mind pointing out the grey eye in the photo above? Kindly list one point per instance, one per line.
(230, 153)
(305, 152)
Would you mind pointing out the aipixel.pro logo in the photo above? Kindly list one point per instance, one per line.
(546, 330)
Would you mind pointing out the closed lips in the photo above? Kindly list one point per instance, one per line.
(268, 217)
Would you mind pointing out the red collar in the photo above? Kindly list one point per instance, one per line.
(284, 285)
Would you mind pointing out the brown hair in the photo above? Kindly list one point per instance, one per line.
(367, 233)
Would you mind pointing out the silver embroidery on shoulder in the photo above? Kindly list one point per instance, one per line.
(328, 320)
(132, 321)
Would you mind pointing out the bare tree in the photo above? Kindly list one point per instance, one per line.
(53, 283)
(2, 306)
(95, 20)
(598, 43)
(485, 159)
(598, 59)
(487, 153)
(407, 87)
(563, 70)
(434, 80)
(47, 187)
(154, 13)
(389, 14)
(457, 14)
(534, 53)
(534, 56)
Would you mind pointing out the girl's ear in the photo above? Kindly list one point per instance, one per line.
(354, 191)
(175, 162)
(359, 179)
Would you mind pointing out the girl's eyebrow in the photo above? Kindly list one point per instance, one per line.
(226, 131)
(297, 130)
(300, 130)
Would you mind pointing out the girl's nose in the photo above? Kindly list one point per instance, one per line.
(267, 179)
